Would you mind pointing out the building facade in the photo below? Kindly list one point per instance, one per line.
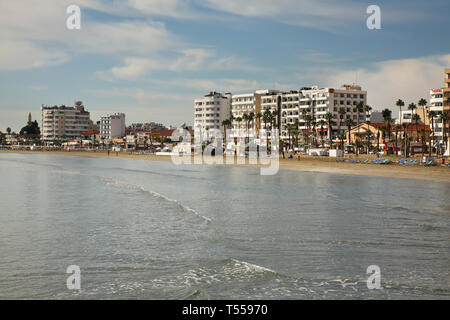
(112, 126)
(64, 122)
(211, 110)
(247, 104)
(437, 105)
(292, 107)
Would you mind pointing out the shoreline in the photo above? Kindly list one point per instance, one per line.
(305, 164)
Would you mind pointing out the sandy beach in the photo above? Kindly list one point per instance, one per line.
(307, 164)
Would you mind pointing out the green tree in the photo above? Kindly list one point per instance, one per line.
(432, 115)
(400, 104)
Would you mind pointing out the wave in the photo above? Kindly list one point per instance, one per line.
(121, 184)
(110, 181)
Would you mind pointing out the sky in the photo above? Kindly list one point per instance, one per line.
(151, 58)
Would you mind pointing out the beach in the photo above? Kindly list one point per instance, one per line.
(306, 164)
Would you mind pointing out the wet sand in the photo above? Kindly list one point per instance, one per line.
(308, 164)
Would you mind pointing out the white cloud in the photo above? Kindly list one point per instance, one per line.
(390, 80)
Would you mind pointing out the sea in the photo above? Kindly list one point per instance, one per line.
(139, 229)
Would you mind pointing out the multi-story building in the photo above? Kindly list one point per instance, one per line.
(293, 107)
(64, 122)
(246, 104)
(211, 110)
(437, 105)
(112, 126)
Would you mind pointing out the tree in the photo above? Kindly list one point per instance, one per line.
(31, 128)
(412, 106)
(359, 109)
(421, 134)
(387, 116)
(251, 119)
(8, 130)
(341, 113)
(444, 118)
(422, 103)
(400, 104)
(405, 138)
(349, 123)
(321, 123)
(367, 110)
(267, 117)
(308, 119)
(274, 118)
(258, 117)
(432, 115)
(314, 133)
(225, 124)
(330, 122)
(416, 119)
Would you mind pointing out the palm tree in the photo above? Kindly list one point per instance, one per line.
(349, 123)
(359, 109)
(225, 124)
(251, 119)
(239, 120)
(321, 123)
(387, 116)
(405, 137)
(341, 113)
(275, 117)
(412, 106)
(266, 118)
(367, 110)
(8, 130)
(246, 119)
(432, 115)
(330, 122)
(422, 103)
(421, 133)
(444, 118)
(308, 119)
(258, 117)
(416, 119)
(400, 104)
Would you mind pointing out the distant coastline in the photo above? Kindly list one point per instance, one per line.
(306, 164)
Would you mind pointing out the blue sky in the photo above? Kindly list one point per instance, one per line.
(152, 58)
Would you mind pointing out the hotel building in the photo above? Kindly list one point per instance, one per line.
(112, 126)
(211, 110)
(245, 104)
(437, 105)
(316, 102)
(64, 122)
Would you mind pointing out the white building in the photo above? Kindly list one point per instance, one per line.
(112, 126)
(246, 104)
(316, 102)
(437, 105)
(211, 110)
(64, 122)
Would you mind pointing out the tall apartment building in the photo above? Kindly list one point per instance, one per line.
(316, 102)
(437, 105)
(112, 126)
(245, 104)
(64, 122)
(446, 97)
(211, 110)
